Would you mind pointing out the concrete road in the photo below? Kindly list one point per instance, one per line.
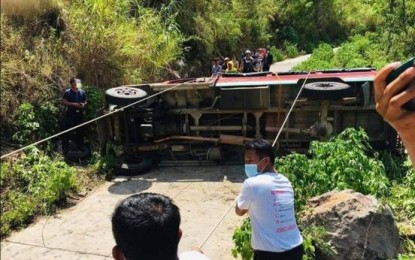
(287, 65)
(204, 194)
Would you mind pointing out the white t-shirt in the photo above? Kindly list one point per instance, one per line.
(192, 255)
(269, 197)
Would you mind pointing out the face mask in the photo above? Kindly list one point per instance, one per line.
(251, 169)
(79, 85)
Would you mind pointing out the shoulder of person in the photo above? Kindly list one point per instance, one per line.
(67, 92)
(282, 176)
(192, 255)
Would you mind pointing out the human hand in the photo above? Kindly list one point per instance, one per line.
(390, 99)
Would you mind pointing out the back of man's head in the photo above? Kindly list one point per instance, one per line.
(146, 226)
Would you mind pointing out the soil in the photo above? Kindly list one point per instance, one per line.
(205, 195)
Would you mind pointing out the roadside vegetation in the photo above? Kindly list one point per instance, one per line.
(108, 43)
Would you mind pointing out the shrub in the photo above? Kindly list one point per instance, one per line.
(242, 240)
(35, 122)
(291, 50)
(95, 97)
(321, 58)
(344, 162)
(33, 184)
(277, 54)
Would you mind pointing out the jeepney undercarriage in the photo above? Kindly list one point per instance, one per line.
(203, 120)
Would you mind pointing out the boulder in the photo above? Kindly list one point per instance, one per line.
(357, 225)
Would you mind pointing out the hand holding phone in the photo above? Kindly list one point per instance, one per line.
(410, 105)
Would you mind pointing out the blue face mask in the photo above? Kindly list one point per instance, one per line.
(251, 169)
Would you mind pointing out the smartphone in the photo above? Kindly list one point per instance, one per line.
(410, 105)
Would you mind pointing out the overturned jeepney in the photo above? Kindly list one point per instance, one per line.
(208, 119)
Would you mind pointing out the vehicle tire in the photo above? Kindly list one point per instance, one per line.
(134, 164)
(74, 156)
(329, 90)
(124, 95)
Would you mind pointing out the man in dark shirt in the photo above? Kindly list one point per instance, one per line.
(75, 101)
(269, 59)
(247, 63)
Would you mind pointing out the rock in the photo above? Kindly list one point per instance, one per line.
(357, 225)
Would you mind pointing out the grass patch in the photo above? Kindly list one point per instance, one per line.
(34, 184)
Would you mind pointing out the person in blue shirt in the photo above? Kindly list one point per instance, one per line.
(74, 100)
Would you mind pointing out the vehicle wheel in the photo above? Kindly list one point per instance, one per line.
(326, 90)
(134, 164)
(124, 95)
(77, 155)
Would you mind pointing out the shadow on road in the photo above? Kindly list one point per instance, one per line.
(134, 184)
(129, 186)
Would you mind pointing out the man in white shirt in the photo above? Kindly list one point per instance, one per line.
(268, 198)
(146, 227)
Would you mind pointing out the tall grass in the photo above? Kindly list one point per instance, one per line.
(119, 44)
(33, 67)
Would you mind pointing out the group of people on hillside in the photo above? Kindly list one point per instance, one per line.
(147, 225)
(260, 61)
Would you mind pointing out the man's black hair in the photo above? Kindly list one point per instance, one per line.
(74, 80)
(146, 227)
(262, 148)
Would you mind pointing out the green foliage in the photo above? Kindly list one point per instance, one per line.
(402, 198)
(396, 166)
(290, 50)
(277, 54)
(32, 185)
(320, 59)
(344, 162)
(26, 123)
(360, 51)
(407, 247)
(242, 241)
(315, 236)
(35, 122)
(96, 101)
(104, 165)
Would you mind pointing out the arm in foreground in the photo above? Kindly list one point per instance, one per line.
(389, 101)
(240, 212)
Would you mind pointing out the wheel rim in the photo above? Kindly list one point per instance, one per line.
(127, 92)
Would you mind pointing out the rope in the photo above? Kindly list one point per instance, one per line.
(276, 138)
(289, 112)
(217, 224)
(88, 122)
